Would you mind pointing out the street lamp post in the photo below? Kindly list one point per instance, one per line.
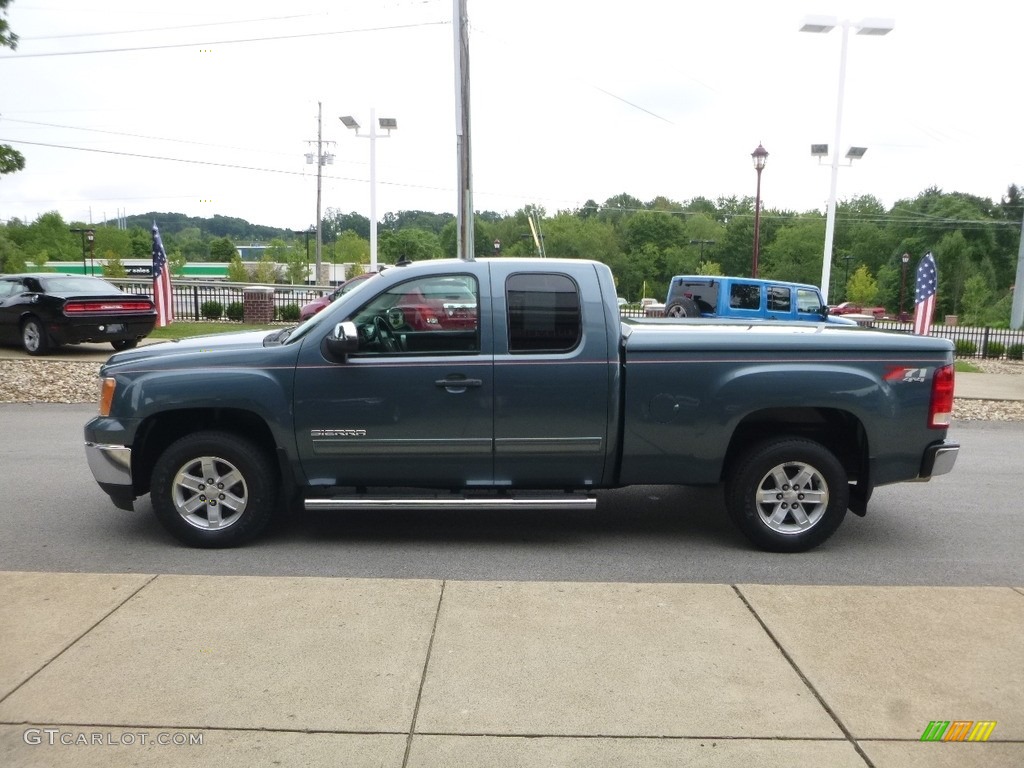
(90, 235)
(388, 124)
(903, 285)
(701, 243)
(759, 155)
(825, 24)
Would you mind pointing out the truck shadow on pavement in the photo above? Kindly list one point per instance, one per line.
(696, 515)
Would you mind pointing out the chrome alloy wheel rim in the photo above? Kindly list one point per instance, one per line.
(31, 337)
(209, 493)
(792, 498)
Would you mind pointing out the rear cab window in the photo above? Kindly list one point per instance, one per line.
(544, 313)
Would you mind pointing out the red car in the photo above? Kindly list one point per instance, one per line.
(308, 310)
(849, 308)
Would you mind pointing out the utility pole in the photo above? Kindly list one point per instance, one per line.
(321, 159)
(1017, 307)
(465, 247)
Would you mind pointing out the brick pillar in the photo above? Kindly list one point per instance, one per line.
(258, 305)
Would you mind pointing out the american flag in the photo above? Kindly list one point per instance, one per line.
(924, 295)
(162, 295)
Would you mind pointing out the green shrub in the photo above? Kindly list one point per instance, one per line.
(211, 310)
(290, 313)
(995, 349)
(966, 348)
(1015, 352)
(235, 311)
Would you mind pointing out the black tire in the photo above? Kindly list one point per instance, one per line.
(33, 337)
(244, 489)
(777, 514)
(123, 344)
(682, 308)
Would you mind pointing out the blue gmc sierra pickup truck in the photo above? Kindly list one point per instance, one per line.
(502, 383)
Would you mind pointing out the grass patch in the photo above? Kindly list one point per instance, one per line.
(962, 366)
(184, 330)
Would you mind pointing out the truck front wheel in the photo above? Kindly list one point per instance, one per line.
(213, 489)
(787, 494)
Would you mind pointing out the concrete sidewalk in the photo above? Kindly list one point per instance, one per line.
(317, 671)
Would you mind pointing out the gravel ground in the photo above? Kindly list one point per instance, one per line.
(53, 381)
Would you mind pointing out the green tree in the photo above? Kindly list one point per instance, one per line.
(50, 233)
(222, 249)
(350, 248)
(113, 266)
(265, 270)
(177, 261)
(237, 272)
(795, 253)
(12, 258)
(11, 160)
(862, 288)
(294, 260)
(976, 301)
(414, 244)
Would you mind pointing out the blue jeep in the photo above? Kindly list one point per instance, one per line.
(746, 298)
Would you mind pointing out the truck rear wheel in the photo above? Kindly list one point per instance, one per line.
(213, 489)
(682, 308)
(787, 494)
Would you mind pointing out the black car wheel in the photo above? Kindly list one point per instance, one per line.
(682, 308)
(213, 489)
(123, 344)
(34, 338)
(787, 494)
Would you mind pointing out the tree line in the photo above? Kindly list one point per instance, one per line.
(974, 240)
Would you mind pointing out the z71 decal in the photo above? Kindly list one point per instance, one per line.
(908, 375)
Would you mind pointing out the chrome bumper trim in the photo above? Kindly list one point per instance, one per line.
(110, 464)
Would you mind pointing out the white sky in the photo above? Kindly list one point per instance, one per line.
(571, 99)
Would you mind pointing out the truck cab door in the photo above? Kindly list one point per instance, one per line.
(413, 405)
(554, 377)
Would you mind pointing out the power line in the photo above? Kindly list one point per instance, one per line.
(272, 38)
(22, 38)
(142, 136)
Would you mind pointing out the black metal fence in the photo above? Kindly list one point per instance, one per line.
(190, 297)
(986, 341)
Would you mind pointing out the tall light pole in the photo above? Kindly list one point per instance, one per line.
(388, 124)
(825, 24)
(759, 155)
(905, 258)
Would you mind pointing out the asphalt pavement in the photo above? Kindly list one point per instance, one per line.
(166, 670)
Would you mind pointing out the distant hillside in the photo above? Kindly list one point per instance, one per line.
(218, 226)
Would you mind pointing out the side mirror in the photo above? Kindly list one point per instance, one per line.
(342, 341)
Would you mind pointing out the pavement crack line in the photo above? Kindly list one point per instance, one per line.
(806, 681)
(423, 677)
(74, 640)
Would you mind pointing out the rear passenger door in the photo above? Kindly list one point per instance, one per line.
(553, 377)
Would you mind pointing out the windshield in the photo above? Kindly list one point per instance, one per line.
(352, 286)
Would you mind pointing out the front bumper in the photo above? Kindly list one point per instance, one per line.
(939, 459)
(111, 466)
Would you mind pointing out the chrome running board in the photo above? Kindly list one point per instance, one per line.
(424, 503)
